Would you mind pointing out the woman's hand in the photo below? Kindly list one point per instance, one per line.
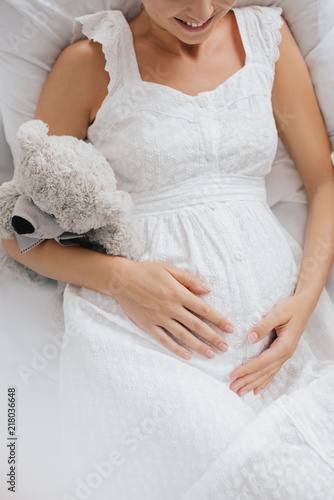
(157, 297)
(289, 318)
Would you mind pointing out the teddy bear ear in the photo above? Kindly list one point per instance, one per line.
(31, 134)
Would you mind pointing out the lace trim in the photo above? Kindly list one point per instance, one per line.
(106, 28)
(271, 32)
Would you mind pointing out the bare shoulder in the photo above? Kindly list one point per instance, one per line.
(74, 88)
(86, 55)
(291, 71)
(287, 36)
(288, 47)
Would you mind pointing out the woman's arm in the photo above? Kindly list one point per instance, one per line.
(157, 297)
(307, 143)
(72, 91)
(306, 140)
(75, 265)
(66, 104)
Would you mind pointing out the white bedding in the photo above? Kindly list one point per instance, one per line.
(24, 329)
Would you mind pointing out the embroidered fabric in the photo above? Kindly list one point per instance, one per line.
(137, 420)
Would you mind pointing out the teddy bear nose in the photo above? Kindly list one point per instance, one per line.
(22, 226)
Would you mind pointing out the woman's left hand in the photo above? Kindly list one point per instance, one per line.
(289, 318)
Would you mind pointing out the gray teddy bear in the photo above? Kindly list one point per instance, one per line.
(63, 188)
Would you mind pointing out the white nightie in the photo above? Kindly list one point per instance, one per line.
(138, 421)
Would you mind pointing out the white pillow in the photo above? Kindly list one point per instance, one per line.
(32, 35)
(6, 160)
(34, 32)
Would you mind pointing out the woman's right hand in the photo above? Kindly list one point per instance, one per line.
(157, 296)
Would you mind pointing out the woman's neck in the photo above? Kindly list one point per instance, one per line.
(144, 27)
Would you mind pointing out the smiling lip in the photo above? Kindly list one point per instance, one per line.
(192, 29)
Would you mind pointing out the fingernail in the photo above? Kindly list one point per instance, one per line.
(210, 354)
(205, 286)
(186, 355)
(252, 337)
(223, 347)
(242, 393)
(228, 329)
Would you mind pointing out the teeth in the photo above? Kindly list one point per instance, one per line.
(193, 25)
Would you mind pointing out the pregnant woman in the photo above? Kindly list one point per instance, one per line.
(185, 103)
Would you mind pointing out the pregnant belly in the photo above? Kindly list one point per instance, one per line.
(237, 247)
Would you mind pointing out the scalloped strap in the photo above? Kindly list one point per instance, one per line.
(110, 29)
(262, 27)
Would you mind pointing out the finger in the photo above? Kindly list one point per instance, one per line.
(262, 386)
(158, 333)
(255, 382)
(205, 310)
(264, 327)
(180, 331)
(253, 377)
(198, 326)
(245, 390)
(248, 379)
(188, 279)
(270, 356)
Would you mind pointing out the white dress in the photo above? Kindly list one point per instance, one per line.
(140, 422)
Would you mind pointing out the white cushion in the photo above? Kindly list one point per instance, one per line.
(6, 160)
(32, 35)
